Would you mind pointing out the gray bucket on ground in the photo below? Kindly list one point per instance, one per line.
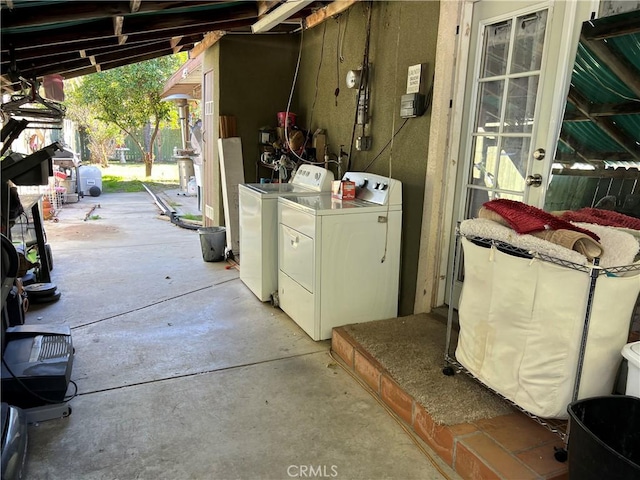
(213, 241)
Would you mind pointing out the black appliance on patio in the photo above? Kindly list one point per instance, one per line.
(36, 359)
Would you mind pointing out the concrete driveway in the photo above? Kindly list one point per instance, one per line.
(183, 373)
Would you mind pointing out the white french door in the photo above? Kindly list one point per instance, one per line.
(513, 103)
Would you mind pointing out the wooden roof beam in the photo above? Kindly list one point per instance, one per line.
(265, 6)
(245, 13)
(605, 124)
(149, 23)
(209, 39)
(614, 26)
(619, 65)
(328, 11)
(26, 15)
(597, 173)
(115, 64)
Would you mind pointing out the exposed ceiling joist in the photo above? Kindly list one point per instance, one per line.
(605, 124)
(115, 64)
(278, 15)
(135, 5)
(328, 11)
(618, 64)
(73, 38)
(209, 39)
(610, 27)
(576, 146)
(597, 173)
(30, 14)
(592, 157)
(134, 25)
(118, 20)
(264, 6)
(67, 60)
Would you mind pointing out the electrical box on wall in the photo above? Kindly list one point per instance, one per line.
(412, 105)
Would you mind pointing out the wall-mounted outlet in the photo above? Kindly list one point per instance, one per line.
(363, 143)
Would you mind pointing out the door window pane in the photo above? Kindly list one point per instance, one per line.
(521, 104)
(495, 51)
(489, 106)
(475, 199)
(529, 40)
(485, 161)
(513, 163)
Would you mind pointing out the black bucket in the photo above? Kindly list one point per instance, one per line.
(604, 438)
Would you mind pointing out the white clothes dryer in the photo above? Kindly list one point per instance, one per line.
(339, 260)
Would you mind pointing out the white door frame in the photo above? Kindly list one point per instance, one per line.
(441, 178)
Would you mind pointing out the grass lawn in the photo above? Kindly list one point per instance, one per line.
(129, 177)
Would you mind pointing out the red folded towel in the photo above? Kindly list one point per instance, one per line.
(607, 218)
(525, 218)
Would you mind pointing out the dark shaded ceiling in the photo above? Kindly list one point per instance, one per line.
(601, 126)
(74, 38)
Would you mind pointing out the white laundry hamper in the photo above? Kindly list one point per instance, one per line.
(521, 325)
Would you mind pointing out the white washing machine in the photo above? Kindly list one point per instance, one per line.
(258, 225)
(339, 260)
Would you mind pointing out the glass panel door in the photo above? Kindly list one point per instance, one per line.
(517, 52)
(511, 59)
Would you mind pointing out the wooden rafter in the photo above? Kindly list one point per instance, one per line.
(209, 39)
(605, 124)
(610, 27)
(328, 11)
(265, 6)
(74, 38)
(619, 65)
(597, 173)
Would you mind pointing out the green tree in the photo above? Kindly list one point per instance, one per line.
(129, 98)
(103, 136)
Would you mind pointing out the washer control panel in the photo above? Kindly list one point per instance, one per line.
(313, 177)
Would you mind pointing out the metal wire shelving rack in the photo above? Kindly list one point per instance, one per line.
(559, 427)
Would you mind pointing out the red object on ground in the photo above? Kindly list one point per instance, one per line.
(525, 218)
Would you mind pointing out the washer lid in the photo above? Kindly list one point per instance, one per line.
(277, 188)
(324, 204)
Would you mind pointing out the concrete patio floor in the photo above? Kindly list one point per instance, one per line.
(183, 374)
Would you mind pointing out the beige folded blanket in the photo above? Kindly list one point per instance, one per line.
(571, 239)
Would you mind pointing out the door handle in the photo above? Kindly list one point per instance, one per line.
(534, 180)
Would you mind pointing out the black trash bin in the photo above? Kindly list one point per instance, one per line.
(604, 438)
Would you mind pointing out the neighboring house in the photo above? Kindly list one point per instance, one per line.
(507, 94)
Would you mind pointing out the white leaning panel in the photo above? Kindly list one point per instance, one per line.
(232, 172)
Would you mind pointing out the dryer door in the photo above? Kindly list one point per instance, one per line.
(296, 256)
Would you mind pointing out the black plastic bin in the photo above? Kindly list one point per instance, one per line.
(604, 438)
